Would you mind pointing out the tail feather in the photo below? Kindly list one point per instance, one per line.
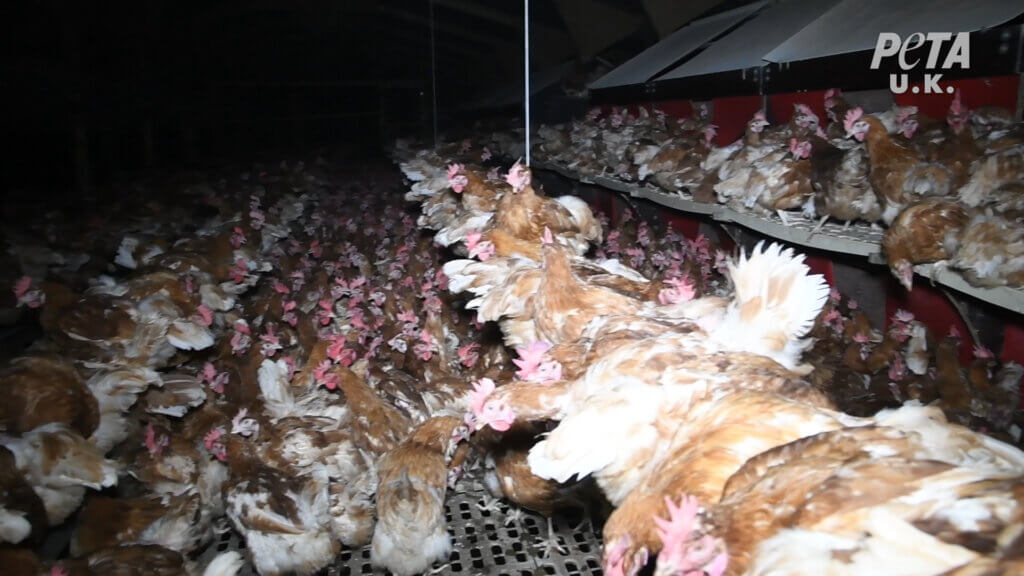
(951, 443)
(479, 277)
(225, 564)
(888, 541)
(457, 230)
(605, 434)
(187, 335)
(582, 217)
(273, 380)
(512, 298)
(775, 304)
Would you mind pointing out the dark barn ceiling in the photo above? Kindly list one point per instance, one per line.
(253, 69)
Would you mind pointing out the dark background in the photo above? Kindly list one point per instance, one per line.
(97, 88)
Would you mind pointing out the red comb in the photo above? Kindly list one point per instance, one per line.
(22, 285)
(481, 390)
(852, 116)
(983, 352)
(957, 105)
(212, 437)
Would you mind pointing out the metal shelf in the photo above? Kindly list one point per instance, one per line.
(857, 239)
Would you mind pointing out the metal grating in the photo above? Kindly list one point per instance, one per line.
(485, 540)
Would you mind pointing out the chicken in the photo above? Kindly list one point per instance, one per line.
(39, 390)
(174, 395)
(786, 184)
(910, 523)
(736, 162)
(842, 189)
(22, 514)
(918, 236)
(949, 376)
(284, 518)
(344, 455)
(116, 391)
(957, 151)
(676, 166)
(109, 522)
(59, 465)
(994, 181)
(563, 305)
(836, 108)
(147, 559)
(411, 534)
(988, 250)
(625, 418)
(169, 463)
(477, 195)
(611, 426)
(899, 176)
(377, 427)
(525, 215)
(817, 482)
(508, 476)
(520, 221)
(714, 439)
(351, 500)
(506, 287)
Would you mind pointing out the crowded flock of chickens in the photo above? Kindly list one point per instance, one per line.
(948, 192)
(299, 354)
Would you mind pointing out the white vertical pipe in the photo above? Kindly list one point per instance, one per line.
(526, 77)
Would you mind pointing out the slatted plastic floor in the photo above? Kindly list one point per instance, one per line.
(485, 542)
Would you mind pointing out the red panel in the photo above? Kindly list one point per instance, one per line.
(820, 265)
(731, 116)
(1013, 343)
(725, 241)
(975, 92)
(676, 108)
(781, 105)
(929, 305)
(690, 227)
(601, 202)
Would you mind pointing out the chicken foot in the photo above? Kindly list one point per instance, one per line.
(439, 569)
(817, 228)
(551, 543)
(783, 217)
(514, 516)
(489, 504)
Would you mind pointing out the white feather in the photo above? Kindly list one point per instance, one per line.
(774, 305)
(225, 564)
(13, 526)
